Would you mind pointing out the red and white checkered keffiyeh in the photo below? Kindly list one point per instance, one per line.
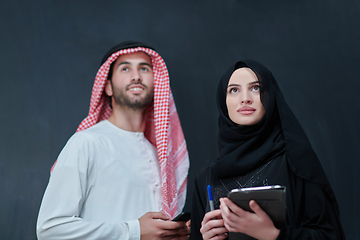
(163, 127)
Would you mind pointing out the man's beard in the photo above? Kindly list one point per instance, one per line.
(139, 104)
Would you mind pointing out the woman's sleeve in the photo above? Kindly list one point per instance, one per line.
(198, 207)
(315, 215)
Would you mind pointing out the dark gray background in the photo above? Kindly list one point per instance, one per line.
(51, 51)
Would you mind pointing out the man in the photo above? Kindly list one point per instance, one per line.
(123, 174)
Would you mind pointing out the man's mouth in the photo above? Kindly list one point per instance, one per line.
(136, 87)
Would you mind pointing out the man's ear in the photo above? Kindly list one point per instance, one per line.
(108, 88)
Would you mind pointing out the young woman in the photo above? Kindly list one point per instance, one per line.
(261, 143)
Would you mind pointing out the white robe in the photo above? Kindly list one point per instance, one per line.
(104, 180)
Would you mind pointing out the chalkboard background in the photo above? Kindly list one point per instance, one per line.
(50, 52)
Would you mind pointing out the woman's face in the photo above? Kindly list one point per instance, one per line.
(243, 98)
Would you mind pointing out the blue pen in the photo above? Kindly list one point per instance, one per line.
(210, 198)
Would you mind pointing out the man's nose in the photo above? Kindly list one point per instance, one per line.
(135, 77)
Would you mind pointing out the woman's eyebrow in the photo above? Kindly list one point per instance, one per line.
(238, 85)
(233, 85)
(253, 82)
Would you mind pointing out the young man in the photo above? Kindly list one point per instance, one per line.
(123, 174)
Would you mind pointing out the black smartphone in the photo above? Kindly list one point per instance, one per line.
(183, 216)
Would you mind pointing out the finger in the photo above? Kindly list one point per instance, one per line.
(188, 229)
(184, 231)
(212, 214)
(210, 228)
(169, 237)
(233, 207)
(181, 237)
(213, 223)
(213, 233)
(224, 209)
(256, 208)
(158, 215)
(174, 232)
(231, 219)
(220, 236)
(174, 226)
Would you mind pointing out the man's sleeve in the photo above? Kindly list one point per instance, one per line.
(59, 215)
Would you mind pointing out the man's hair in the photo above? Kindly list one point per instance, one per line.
(118, 47)
(111, 69)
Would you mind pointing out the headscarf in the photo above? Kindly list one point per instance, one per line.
(244, 148)
(163, 128)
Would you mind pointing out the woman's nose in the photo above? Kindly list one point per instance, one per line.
(245, 98)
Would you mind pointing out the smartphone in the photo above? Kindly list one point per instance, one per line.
(182, 217)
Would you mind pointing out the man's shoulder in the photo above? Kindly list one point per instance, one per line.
(100, 128)
(91, 134)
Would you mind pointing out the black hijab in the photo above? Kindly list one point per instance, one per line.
(244, 148)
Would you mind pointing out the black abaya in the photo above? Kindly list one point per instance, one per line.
(274, 151)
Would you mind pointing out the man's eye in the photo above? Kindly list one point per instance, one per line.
(125, 69)
(144, 69)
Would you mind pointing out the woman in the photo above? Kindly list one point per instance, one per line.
(261, 143)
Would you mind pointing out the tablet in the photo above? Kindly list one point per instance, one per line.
(270, 198)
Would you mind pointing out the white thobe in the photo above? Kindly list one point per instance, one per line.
(105, 179)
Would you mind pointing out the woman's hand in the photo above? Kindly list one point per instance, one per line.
(257, 224)
(212, 226)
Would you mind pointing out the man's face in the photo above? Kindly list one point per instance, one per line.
(243, 98)
(132, 81)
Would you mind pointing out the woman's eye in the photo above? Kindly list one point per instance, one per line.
(255, 88)
(233, 90)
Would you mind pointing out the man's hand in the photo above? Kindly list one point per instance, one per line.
(152, 227)
(212, 226)
(257, 224)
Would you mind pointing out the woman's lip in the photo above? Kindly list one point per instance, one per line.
(246, 110)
